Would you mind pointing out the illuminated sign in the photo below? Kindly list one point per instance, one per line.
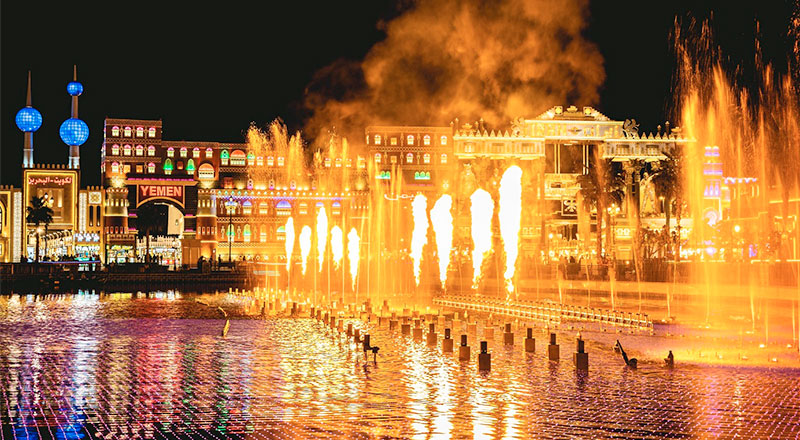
(47, 180)
(170, 192)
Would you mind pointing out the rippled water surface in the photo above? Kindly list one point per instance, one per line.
(90, 366)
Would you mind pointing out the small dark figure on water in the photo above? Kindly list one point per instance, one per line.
(632, 362)
(669, 360)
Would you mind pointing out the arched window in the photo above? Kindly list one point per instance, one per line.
(170, 152)
(139, 132)
(209, 153)
(247, 207)
(410, 139)
(151, 150)
(251, 159)
(377, 157)
(443, 140)
(115, 150)
(126, 150)
(260, 161)
(410, 158)
(196, 153)
(140, 150)
(115, 167)
(270, 161)
(206, 172)
(151, 132)
(127, 131)
(426, 158)
(444, 158)
(168, 166)
(280, 161)
(283, 208)
(184, 152)
(426, 140)
(115, 131)
(190, 166)
(223, 157)
(263, 208)
(377, 139)
(238, 158)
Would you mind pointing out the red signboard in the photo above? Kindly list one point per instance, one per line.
(171, 192)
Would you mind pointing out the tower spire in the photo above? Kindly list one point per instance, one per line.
(28, 100)
(74, 112)
(28, 120)
(73, 131)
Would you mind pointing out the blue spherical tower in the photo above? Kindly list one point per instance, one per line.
(28, 120)
(74, 132)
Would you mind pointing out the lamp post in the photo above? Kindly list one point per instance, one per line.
(230, 205)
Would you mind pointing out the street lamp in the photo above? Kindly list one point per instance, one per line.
(231, 206)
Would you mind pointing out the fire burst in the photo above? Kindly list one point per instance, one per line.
(482, 208)
(305, 246)
(322, 236)
(353, 247)
(337, 251)
(442, 220)
(419, 237)
(509, 215)
(289, 244)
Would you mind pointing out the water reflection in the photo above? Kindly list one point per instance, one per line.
(152, 365)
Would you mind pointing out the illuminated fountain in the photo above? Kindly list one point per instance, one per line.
(419, 237)
(482, 211)
(509, 215)
(353, 251)
(442, 220)
(305, 246)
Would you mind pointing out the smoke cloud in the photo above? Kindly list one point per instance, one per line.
(443, 59)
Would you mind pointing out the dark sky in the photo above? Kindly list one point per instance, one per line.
(207, 72)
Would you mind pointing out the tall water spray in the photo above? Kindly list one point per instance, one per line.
(442, 220)
(419, 236)
(482, 210)
(337, 251)
(289, 243)
(305, 246)
(322, 236)
(509, 214)
(353, 248)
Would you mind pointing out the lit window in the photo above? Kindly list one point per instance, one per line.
(184, 152)
(393, 141)
(140, 150)
(138, 168)
(426, 158)
(348, 162)
(247, 207)
(139, 132)
(126, 150)
(260, 161)
(206, 172)
(410, 158)
(115, 131)
(263, 233)
(270, 161)
(238, 158)
(126, 168)
(209, 153)
(362, 163)
(410, 139)
(190, 166)
(280, 161)
(151, 167)
(115, 150)
(443, 141)
(377, 139)
(151, 150)
(168, 166)
(327, 162)
(115, 167)
(393, 159)
(247, 232)
(223, 157)
(127, 131)
(444, 158)
(377, 157)
(338, 163)
(251, 159)
(196, 153)
(151, 132)
(263, 208)
(170, 152)
(426, 140)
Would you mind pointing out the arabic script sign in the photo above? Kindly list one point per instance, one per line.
(49, 180)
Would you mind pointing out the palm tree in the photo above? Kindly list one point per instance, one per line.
(39, 212)
(601, 187)
(148, 219)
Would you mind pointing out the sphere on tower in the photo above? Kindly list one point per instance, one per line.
(75, 88)
(74, 132)
(29, 119)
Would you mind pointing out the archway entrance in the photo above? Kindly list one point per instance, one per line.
(162, 221)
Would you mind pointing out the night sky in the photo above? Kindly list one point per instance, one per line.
(208, 72)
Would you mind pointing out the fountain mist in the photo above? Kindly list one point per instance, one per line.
(419, 236)
(482, 210)
(442, 220)
(509, 214)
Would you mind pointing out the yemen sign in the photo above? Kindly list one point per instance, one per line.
(170, 192)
